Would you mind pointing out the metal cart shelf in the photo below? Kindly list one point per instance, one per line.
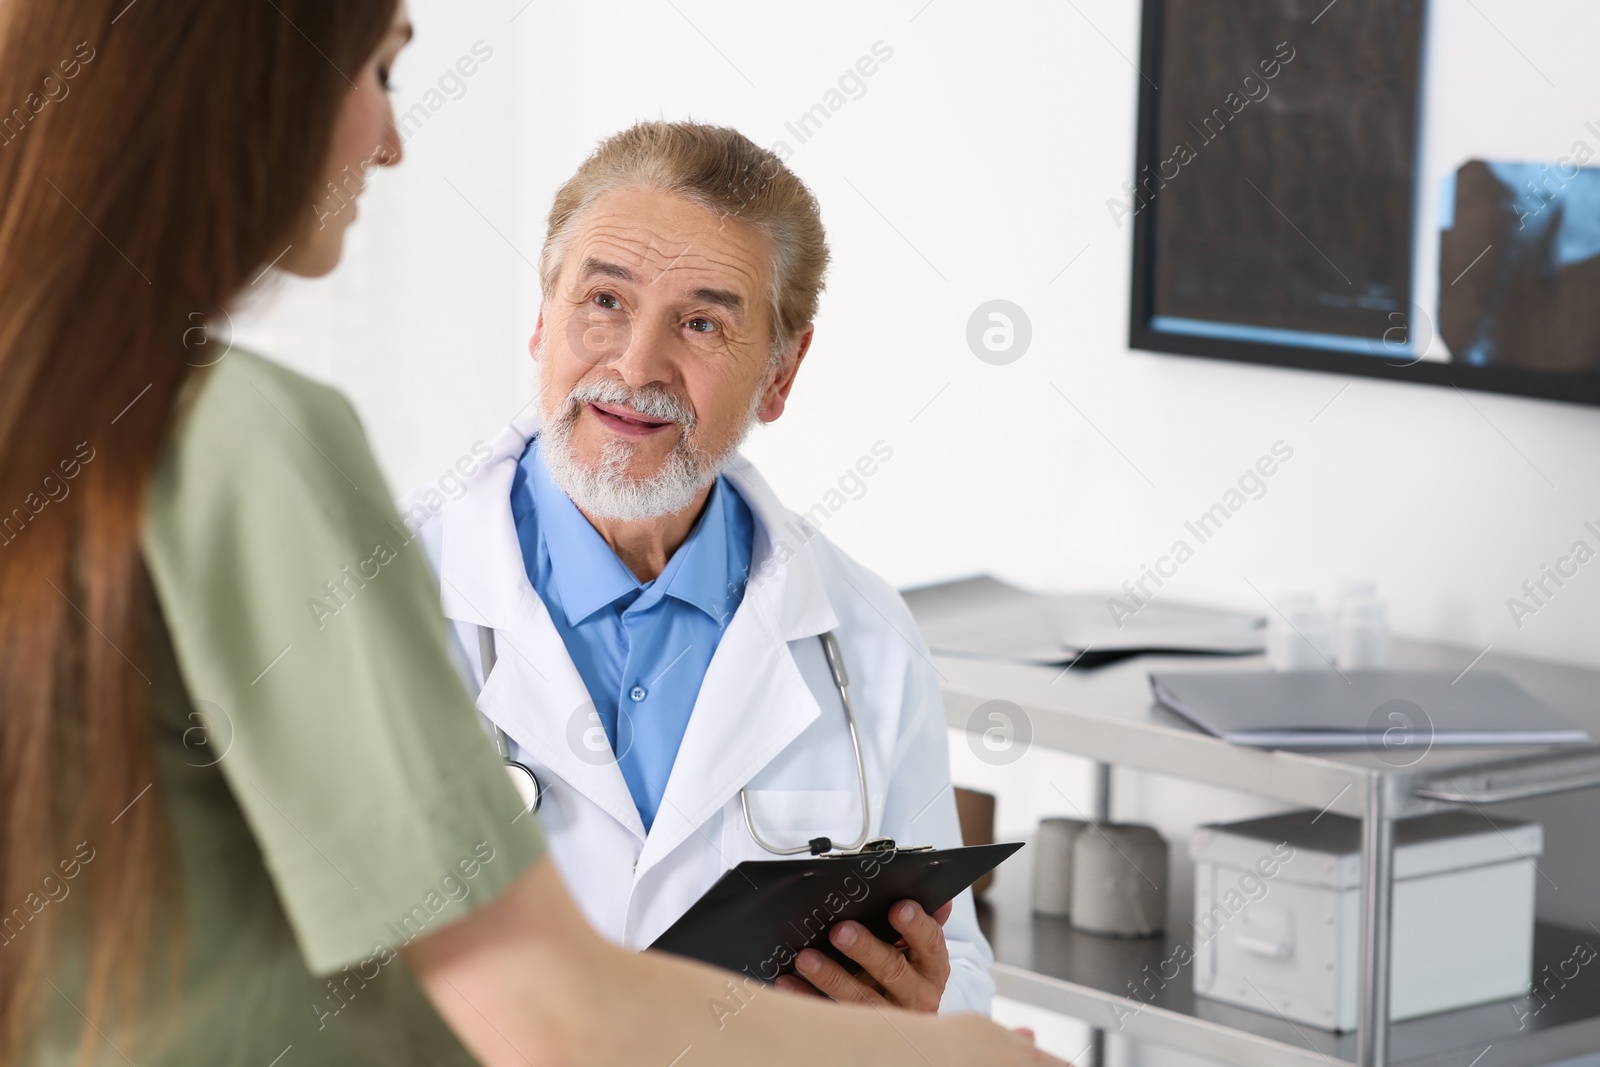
(1109, 716)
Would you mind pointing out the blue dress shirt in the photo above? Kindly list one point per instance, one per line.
(642, 649)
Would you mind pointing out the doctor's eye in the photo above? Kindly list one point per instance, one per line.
(701, 324)
(608, 301)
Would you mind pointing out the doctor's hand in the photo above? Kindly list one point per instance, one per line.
(908, 974)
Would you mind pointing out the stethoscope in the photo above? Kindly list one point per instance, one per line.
(523, 780)
(531, 791)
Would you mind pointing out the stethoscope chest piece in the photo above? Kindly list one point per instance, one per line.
(526, 784)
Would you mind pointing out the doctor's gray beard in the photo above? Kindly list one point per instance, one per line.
(607, 491)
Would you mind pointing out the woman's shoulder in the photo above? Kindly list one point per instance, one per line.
(246, 397)
(256, 445)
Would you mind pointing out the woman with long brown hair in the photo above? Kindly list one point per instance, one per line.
(234, 831)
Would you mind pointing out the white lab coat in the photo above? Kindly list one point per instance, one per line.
(768, 717)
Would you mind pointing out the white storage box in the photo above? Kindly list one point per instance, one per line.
(1278, 914)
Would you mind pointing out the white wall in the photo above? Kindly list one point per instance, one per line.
(978, 165)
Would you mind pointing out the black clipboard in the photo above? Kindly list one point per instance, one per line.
(759, 915)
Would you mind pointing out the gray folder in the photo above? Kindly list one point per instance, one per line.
(1354, 709)
(984, 618)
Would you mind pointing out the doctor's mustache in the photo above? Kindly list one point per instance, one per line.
(652, 401)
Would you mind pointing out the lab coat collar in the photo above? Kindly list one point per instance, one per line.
(481, 575)
(784, 572)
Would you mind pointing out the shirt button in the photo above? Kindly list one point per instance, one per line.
(638, 693)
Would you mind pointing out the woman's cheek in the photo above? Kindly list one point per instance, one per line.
(361, 124)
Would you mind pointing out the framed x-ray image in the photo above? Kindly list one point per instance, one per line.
(1300, 199)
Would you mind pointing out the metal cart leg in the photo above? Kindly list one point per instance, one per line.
(1377, 904)
(1102, 793)
(1101, 812)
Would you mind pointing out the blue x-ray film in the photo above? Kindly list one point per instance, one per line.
(1519, 266)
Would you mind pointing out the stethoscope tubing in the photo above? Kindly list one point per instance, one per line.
(819, 845)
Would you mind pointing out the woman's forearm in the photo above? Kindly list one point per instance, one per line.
(525, 981)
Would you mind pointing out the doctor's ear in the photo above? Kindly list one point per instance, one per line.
(536, 342)
(776, 394)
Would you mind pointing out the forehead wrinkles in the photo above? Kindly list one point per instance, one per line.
(701, 255)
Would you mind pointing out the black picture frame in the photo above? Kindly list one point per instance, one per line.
(1144, 336)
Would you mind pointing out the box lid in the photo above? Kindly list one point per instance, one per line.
(1327, 847)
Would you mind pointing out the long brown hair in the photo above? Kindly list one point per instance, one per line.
(158, 155)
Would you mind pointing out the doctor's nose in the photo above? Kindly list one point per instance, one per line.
(636, 351)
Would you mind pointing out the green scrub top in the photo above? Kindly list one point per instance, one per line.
(329, 791)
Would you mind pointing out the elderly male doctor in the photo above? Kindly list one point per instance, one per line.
(653, 616)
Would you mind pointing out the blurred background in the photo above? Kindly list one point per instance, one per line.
(980, 161)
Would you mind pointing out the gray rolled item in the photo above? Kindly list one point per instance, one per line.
(1119, 880)
(1052, 865)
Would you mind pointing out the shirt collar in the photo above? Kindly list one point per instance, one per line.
(703, 572)
(588, 575)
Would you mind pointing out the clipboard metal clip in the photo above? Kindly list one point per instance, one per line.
(883, 844)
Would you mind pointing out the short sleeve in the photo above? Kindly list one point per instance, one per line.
(306, 624)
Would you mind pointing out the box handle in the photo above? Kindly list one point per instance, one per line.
(1267, 932)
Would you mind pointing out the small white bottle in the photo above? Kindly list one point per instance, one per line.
(1351, 591)
(1363, 638)
(1297, 636)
